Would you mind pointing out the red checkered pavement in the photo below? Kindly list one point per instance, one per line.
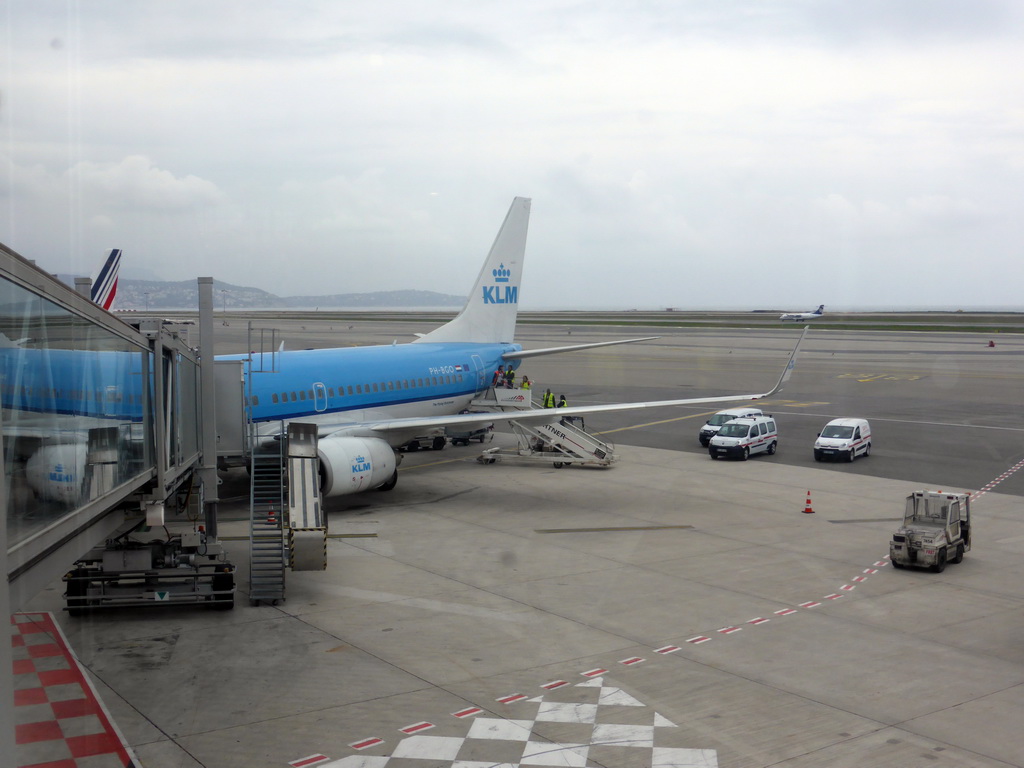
(59, 721)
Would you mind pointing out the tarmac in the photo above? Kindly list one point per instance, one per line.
(670, 610)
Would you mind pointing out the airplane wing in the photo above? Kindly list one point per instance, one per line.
(525, 353)
(554, 414)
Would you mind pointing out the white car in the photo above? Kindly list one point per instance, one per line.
(741, 437)
(843, 439)
(711, 427)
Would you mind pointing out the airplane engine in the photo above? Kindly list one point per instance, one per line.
(355, 464)
(55, 472)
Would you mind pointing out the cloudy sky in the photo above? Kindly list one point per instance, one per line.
(688, 153)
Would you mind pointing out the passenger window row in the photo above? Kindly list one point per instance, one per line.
(111, 395)
(360, 389)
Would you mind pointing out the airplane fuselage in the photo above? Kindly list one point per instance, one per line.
(339, 386)
(798, 316)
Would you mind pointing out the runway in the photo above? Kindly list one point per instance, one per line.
(670, 610)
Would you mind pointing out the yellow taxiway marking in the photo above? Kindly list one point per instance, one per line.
(612, 529)
(437, 463)
(741, 404)
(652, 423)
(866, 377)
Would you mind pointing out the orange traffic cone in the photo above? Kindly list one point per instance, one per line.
(807, 508)
(272, 520)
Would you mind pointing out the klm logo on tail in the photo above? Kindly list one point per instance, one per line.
(501, 292)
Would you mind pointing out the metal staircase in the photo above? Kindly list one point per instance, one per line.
(562, 443)
(267, 552)
(556, 440)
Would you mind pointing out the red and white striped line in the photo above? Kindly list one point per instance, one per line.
(313, 760)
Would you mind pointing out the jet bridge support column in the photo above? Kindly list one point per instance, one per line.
(208, 398)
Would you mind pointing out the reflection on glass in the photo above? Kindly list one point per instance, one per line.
(73, 397)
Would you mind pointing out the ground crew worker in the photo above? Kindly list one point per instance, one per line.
(562, 403)
(548, 401)
(526, 382)
(510, 377)
(499, 376)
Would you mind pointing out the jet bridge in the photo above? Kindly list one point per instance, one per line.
(142, 563)
(559, 443)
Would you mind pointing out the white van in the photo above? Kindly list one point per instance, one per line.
(742, 437)
(843, 439)
(711, 427)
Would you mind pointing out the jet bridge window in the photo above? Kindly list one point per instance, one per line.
(64, 355)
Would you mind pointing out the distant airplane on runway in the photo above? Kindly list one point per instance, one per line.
(804, 315)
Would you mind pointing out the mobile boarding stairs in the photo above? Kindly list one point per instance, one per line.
(287, 523)
(560, 442)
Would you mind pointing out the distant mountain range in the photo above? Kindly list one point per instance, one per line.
(158, 294)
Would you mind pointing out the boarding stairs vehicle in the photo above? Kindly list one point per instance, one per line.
(936, 529)
(267, 560)
(560, 443)
(307, 521)
(287, 522)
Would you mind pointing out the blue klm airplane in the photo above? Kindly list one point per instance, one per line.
(366, 401)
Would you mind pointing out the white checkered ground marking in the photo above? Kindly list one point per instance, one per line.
(642, 736)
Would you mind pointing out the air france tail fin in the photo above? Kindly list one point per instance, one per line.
(104, 283)
(490, 311)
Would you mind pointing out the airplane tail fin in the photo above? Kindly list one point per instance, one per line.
(820, 310)
(490, 311)
(104, 283)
